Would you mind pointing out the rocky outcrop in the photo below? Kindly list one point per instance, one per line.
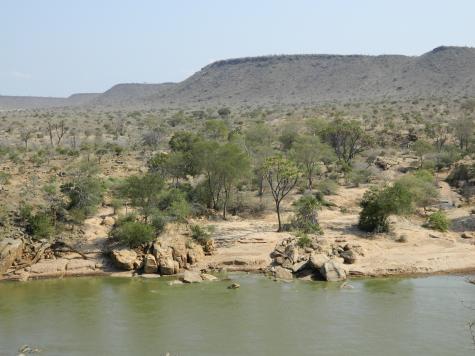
(10, 249)
(320, 258)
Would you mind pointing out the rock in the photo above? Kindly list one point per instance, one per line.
(292, 253)
(179, 253)
(287, 263)
(434, 236)
(332, 271)
(283, 273)
(124, 259)
(195, 254)
(10, 249)
(208, 277)
(168, 266)
(78, 267)
(192, 277)
(385, 163)
(279, 260)
(317, 260)
(234, 286)
(108, 221)
(299, 266)
(467, 235)
(349, 257)
(150, 264)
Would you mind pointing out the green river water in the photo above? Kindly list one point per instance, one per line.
(116, 316)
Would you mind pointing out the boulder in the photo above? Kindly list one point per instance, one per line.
(332, 271)
(124, 259)
(10, 249)
(150, 264)
(317, 260)
(192, 277)
(234, 286)
(349, 257)
(195, 254)
(208, 277)
(299, 266)
(283, 273)
(179, 253)
(168, 266)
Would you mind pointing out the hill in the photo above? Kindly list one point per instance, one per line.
(294, 80)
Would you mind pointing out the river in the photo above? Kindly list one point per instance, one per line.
(118, 316)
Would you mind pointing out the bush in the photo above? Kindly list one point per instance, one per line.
(379, 204)
(201, 235)
(304, 241)
(438, 221)
(133, 233)
(40, 225)
(306, 216)
(327, 187)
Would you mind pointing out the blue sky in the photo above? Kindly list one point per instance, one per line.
(59, 47)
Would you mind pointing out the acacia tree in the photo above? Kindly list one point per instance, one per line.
(347, 139)
(308, 152)
(464, 132)
(282, 176)
(232, 165)
(421, 148)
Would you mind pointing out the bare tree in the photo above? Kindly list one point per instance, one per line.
(25, 135)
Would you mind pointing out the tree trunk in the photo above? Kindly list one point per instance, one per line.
(277, 209)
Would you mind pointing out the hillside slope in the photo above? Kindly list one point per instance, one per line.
(292, 80)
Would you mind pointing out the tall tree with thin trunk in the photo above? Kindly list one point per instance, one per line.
(282, 176)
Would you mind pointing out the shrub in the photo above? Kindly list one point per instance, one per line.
(40, 225)
(306, 216)
(438, 221)
(133, 233)
(379, 204)
(200, 234)
(304, 241)
(327, 187)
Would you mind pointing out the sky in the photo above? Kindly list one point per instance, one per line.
(60, 47)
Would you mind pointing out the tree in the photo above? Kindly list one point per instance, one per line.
(224, 113)
(215, 130)
(25, 135)
(347, 138)
(258, 140)
(421, 148)
(282, 176)
(232, 165)
(439, 131)
(288, 136)
(143, 192)
(306, 215)
(84, 190)
(308, 152)
(464, 132)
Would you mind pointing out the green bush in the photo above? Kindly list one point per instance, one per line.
(379, 204)
(133, 233)
(438, 221)
(40, 225)
(306, 214)
(304, 241)
(200, 234)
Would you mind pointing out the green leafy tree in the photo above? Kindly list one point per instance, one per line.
(347, 138)
(308, 152)
(282, 176)
(421, 148)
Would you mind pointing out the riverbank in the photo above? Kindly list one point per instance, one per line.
(248, 244)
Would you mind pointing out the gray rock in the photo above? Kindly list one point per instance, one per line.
(208, 277)
(192, 277)
(332, 271)
(317, 260)
(234, 286)
(349, 257)
(299, 266)
(283, 273)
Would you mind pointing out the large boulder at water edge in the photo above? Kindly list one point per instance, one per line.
(333, 271)
(125, 259)
(10, 249)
